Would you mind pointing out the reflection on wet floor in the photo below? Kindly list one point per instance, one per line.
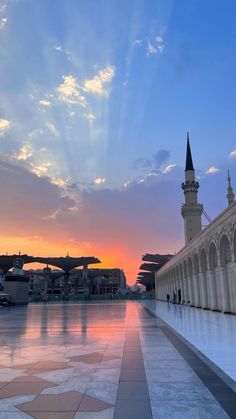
(95, 360)
(213, 333)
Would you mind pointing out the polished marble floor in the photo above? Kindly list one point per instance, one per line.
(212, 333)
(102, 360)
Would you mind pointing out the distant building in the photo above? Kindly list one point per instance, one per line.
(98, 282)
(203, 273)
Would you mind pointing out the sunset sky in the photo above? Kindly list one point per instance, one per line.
(95, 101)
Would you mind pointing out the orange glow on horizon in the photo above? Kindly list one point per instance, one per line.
(110, 258)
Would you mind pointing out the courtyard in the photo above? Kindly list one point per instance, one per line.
(105, 360)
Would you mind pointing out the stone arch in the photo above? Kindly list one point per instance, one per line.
(182, 282)
(190, 281)
(225, 259)
(204, 289)
(203, 260)
(185, 269)
(186, 282)
(190, 267)
(196, 264)
(215, 287)
(213, 260)
(225, 250)
(177, 272)
(196, 281)
(234, 242)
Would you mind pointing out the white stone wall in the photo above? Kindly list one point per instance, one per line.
(205, 269)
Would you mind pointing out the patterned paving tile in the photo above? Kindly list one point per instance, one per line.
(8, 374)
(20, 388)
(30, 379)
(103, 390)
(110, 358)
(50, 365)
(65, 402)
(9, 404)
(23, 366)
(57, 376)
(68, 402)
(91, 404)
(103, 414)
(88, 358)
(52, 415)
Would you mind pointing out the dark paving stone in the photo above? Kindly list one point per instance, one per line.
(131, 349)
(132, 363)
(132, 374)
(133, 356)
(131, 345)
(230, 408)
(221, 392)
(133, 390)
(128, 409)
(205, 374)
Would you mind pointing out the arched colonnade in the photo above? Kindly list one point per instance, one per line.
(202, 275)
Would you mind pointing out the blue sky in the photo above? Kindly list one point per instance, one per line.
(96, 99)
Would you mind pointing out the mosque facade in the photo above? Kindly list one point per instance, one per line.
(203, 273)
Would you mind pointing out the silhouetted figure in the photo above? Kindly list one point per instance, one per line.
(174, 297)
(179, 296)
(168, 298)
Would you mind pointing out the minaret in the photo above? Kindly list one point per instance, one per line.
(191, 210)
(230, 194)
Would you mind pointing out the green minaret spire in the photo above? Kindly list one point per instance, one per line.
(189, 160)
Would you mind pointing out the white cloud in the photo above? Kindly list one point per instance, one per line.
(97, 84)
(70, 92)
(212, 170)
(232, 154)
(2, 7)
(160, 48)
(157, 46)
(58, 48)
(3, 22)
(159, 39)
(169, 168)
(151, 49)
(51, 127)
(138, 42)
(25, 152)
(45, 102)
(133, 182)
(99, 181)
(40, 170)
(89, 116)
(53, 215)
(59, 182)
(4, 126)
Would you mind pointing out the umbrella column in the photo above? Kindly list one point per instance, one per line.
(85, 280)
(46, 277)
(66, 284)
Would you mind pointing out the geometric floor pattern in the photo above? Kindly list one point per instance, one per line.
(100, 361)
